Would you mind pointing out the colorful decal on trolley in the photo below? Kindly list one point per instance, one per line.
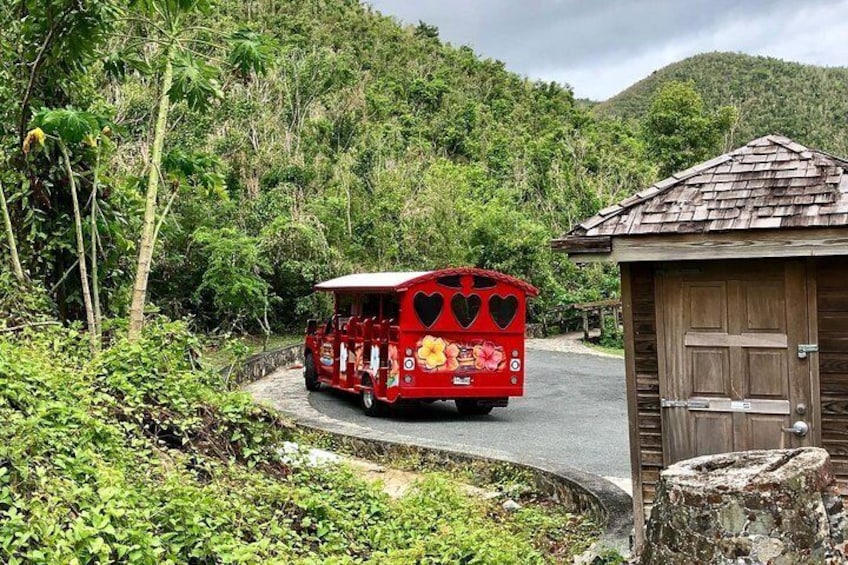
(374, 363)
(342, 358)
(394, 367)
(439, 355)
(326, 357)
(359, 365)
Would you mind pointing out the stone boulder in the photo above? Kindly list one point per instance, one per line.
(773, 507)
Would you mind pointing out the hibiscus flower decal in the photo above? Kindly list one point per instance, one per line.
(359, 357)
(394, 362)
(432, 352)
(394, 367)
(452, 357)
(488, 356)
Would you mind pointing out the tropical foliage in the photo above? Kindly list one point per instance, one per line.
(680, 131)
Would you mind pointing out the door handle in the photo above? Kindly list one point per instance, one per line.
(799, 428)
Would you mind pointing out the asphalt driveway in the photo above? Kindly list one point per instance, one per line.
(573, 412)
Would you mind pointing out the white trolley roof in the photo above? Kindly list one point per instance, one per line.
(400, 281)
(371, 281)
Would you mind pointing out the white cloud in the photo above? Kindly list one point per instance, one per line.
(603, 46)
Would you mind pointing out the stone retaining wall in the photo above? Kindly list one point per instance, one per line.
(262, 364)
(534, 330)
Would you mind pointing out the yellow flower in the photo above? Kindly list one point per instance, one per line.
(432, 352)
(34, 135)
(90, 140)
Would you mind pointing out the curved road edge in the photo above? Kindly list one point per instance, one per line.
(283, 391)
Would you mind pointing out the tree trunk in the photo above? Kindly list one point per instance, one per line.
(86, 293)
(10, 236)
(147, 241)
(95, 283)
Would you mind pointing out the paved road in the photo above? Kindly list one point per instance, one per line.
(573, 412)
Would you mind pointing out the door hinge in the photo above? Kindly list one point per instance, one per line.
(691, 404)
(805, 348)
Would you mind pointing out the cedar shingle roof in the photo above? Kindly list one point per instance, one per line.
(772, 182)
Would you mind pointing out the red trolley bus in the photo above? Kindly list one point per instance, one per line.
(453, 334)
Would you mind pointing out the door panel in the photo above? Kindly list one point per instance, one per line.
(710, 371)
(758, 431)
(707, 305)
(765, 369)
(713, 433)
(729, 370)
(765, 306)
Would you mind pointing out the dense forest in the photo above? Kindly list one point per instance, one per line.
(804, 102)
(302, 140)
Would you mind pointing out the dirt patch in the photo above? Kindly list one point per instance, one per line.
(397, 482)
(566, 343)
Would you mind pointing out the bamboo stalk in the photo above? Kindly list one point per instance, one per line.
(10, 237)
(145, 253)
(95, 283)
(86, 291)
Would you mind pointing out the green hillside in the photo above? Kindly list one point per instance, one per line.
(805, 102)
(371, 146)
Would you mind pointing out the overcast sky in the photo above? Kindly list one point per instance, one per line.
(600, 47)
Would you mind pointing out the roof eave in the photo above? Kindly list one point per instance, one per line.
(582, 244)
(732, 244)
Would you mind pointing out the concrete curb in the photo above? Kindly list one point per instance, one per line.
(579, 491)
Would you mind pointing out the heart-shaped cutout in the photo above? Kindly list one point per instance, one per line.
(428, 307)
(465, 308)
(503, 309)
(450, 281)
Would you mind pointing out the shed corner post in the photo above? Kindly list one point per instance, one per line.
(632, 405)
(815, 358)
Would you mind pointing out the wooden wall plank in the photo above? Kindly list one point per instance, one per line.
(832, 311)
(833, 323)
(814, 358)
(834, 363)
(832, 299)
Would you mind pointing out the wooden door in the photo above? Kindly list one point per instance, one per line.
(730, 375)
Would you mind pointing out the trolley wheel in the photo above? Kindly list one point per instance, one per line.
(310, 375)
(371, 405)
(470, 407)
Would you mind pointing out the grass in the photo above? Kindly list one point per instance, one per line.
(555, 532)
(617, 351)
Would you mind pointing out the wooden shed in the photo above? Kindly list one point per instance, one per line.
(734, 277)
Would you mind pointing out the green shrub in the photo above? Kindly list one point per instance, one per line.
(611, 336)
(21, 302)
